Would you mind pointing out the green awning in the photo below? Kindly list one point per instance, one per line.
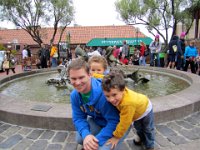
(118, 41)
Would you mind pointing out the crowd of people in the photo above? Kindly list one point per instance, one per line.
(180, 54)
(46, 57)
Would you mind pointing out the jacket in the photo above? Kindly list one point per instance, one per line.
(103, 113)
(54, 52)
(155, 47)
(132, 107)
(175, 42)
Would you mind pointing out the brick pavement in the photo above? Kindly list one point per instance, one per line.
(18, 69)
(183, 134)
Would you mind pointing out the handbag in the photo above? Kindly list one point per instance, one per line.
(146, 53)
(6, 64)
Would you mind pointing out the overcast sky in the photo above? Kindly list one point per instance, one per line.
(96, 12)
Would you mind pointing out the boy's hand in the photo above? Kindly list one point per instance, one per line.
(90, 143)
(113, 141)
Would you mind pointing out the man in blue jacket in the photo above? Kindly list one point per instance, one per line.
(94, 118)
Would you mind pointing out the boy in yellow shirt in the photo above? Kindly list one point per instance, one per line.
(98, 66)
(133, 107)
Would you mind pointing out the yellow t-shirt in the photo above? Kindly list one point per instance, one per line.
(132, 107)
(97, 75)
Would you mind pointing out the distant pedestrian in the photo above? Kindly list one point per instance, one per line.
(125, 50)
(190, 54)
(143, 48)
(54, 56)
(10, 62)
(181, 61)
(174, 51)
(44, 56)
(155, 48)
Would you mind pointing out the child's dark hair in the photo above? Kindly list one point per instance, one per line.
(115, 79)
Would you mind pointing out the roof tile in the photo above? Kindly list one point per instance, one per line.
(79, 35)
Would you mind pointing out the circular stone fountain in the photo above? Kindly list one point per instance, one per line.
(51, 115)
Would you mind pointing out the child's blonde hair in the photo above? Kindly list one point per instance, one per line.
(99, 59)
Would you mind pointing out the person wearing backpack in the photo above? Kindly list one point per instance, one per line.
(174, 49)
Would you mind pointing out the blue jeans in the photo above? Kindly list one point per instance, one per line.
(142, 61)
(145, 130)
(54, 62)
(95, 129)
(152, 58)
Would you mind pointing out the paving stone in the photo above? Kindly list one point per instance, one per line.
(71, 138)
(189, 134)
(161, 141)
(177, 139)
(196, 131)
(47, 134)
(12, 130)
(192, 120)
(184, 124)
(133, 146)
(60, 137)
(23, 144)
(71, 146)
(197, 116)
(122, 146)
(11, 141)
(54, 147)
(163, 129)
(174, 126)
(35, 134)
(1, 138)
(131, 133)
(39, 145)
(4, 127)
(25, 131)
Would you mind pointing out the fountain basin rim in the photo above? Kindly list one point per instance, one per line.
(171, 107)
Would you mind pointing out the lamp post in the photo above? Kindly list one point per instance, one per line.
(137, 30)
(68, 39)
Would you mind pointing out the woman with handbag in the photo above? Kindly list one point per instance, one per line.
(143, 50)
(9, 62)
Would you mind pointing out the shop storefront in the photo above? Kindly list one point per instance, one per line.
(118, 41)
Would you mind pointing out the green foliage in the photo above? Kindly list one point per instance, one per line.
(155, 15)
(14, 52)
(2, 47)
(31, 15)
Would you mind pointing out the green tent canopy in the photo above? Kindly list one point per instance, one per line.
(118, 41)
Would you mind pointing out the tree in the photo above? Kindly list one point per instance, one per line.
(32, 15)
(158, 16)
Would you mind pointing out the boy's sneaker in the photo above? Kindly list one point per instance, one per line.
(137, 142)
(150, 149)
